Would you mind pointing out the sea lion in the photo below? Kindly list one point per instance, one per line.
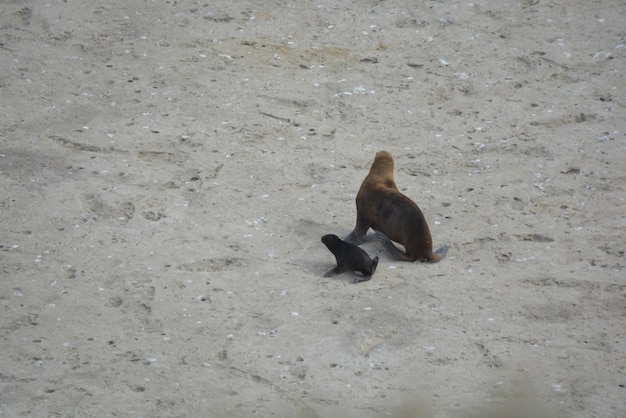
(395, 217)
(349, 258)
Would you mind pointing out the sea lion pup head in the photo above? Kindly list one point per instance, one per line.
(382, 170)
(331, 241)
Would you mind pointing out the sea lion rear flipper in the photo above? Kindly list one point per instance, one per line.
(391, 248)
(443, 250)
(436, 256)
(374, 264)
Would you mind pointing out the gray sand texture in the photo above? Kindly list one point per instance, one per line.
(168, 168)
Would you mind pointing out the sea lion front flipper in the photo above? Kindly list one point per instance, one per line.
(336, 270)
(355, 237)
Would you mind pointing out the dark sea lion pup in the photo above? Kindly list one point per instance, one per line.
(349, 258)
(395, 217)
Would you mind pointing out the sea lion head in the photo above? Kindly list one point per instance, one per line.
(331, 241)
(382, 169)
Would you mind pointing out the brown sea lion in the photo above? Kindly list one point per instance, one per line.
(349, 258)
(395, 217)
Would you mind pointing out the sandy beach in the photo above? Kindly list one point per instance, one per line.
(168, 169)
